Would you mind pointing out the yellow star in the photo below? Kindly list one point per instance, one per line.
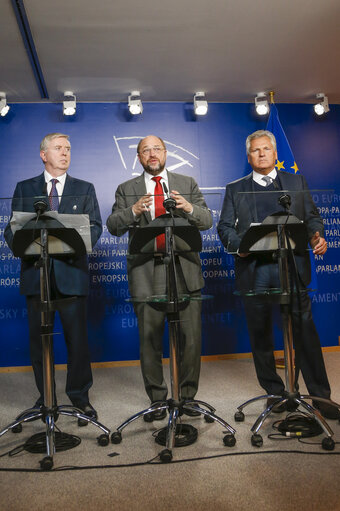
(295, 167)
(280, 165)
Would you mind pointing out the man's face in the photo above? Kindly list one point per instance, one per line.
(57, 157)
(262, 156)
(152, 155)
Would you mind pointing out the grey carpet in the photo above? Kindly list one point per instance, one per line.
(238, 478)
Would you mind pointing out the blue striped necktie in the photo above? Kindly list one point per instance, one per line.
(53, 196)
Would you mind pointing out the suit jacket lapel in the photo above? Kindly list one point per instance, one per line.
(69, 193)
(174, 181)
(39, 186)
(248, 199)
(139, 189)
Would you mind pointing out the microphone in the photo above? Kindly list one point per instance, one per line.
(284, 200)
(169, 203)
(276, 186)
(40, 207)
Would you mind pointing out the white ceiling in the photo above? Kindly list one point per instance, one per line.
(232, 49)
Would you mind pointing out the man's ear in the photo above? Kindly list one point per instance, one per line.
(43, 156)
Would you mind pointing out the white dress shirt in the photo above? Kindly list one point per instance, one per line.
(60, 185)
(257, 177)
(150, 187)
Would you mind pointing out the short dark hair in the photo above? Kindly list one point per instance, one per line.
(141, 140)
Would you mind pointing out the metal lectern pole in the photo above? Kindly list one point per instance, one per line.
(176, 405)
(290, 397)
(286, 316)
(47, 344)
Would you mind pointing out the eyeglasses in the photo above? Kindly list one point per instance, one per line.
(148, 150)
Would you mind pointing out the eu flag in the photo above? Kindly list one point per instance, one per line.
(285, 158)
(287, 163)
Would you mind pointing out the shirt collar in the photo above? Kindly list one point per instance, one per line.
(148, 177)
(61, 178)
(257, 177)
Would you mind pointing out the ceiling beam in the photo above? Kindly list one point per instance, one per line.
(24, 27)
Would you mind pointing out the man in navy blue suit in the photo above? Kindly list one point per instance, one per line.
(68, 276)
(259, 271)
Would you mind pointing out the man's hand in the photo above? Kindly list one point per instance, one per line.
(318, 244)
(142, 205)
(181, 202)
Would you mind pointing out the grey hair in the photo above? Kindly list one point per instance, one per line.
(48, 138)
(258, 134)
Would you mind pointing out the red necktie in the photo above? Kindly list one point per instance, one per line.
(159, 210)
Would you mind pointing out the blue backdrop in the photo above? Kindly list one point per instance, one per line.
(212, 150)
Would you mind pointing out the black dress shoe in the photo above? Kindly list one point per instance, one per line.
(328, 411)
(191, 412)
(279, 408)
(87, 410)
(157, 415)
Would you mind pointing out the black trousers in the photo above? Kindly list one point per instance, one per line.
(259, 315)
(73, 318)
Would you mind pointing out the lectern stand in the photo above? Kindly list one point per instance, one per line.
(172, 303)
(287, 229)
(49, 228)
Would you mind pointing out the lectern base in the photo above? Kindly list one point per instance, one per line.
(292, 401)
(176, 409)
(50, 416)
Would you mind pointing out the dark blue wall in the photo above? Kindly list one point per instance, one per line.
(211, 149)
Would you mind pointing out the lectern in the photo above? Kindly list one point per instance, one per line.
(42, 231)
(172, 303)
(287, 229)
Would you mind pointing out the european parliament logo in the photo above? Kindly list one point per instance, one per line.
(177, 156)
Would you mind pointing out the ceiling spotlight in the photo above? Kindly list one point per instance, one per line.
(4, 108)
(200, 103)
(321, 107)
(261, 104)
(135, 103)
(69, 103)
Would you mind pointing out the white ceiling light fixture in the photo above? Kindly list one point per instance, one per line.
(261, 104)
(4, 108)
(69, 103)
(135, 103)
(200, 103)
(321, 107)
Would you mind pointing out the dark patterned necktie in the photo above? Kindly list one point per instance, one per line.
(159, 210)
(53, 196)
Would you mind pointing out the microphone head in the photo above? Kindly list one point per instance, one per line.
(169, 204)
(165, 188)
(285, 200)
(40, 206)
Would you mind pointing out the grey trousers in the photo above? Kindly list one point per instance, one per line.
(151, 324)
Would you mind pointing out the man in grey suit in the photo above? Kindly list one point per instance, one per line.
(259, 271)
(135, 206)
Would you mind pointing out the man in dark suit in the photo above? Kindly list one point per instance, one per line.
(135, 206)
(259, 272)
(68, 276)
